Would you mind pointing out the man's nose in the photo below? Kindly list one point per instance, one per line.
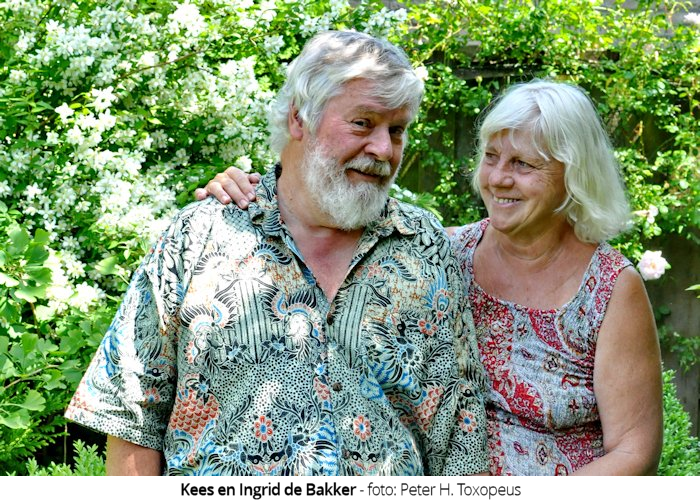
(380, 144)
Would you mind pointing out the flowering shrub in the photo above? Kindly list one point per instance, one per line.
(114, 111)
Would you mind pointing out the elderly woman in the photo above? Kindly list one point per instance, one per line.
(562, 320)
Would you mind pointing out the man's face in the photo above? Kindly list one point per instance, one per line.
(351, 162)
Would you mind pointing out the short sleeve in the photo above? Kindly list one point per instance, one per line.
(129, 386)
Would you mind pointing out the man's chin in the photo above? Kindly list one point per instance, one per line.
(357, 215)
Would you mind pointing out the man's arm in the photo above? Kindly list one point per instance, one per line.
(129, 459)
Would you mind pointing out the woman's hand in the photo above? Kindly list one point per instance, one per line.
(231, 184)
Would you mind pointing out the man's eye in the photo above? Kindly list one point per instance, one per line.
(397, 130)
(361, 123)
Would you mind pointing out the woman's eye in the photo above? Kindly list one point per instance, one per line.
(523, 164)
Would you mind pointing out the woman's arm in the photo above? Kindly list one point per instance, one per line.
(627, 383)
(231, 184)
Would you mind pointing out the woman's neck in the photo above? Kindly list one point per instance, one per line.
(538, 250)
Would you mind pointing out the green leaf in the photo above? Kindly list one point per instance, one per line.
(36, 255)
(16, 420)
(19, 240)
(28, 293)
(29, 341)
(53, 379)
(106, 266)
(8, 310)
(41, 237)
(8, 280)
(41, 275)
(34, 401)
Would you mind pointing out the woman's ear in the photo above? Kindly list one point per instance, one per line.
(295, 123)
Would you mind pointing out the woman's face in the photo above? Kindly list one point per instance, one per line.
(520, 189)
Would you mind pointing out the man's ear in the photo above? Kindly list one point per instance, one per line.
(295, 123)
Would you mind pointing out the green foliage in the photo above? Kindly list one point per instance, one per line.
(681, 451)
(686, 349)
(87, 462)
(41, 357)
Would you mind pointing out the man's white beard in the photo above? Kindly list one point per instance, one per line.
(349, 205)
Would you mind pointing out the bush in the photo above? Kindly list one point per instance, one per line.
(681, 451)
(114, 111)
(87, 462)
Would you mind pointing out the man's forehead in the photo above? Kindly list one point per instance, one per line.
(370, 94)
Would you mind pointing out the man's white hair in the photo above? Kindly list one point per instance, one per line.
(564, 125)
(330, 60)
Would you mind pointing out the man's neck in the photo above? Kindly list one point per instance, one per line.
(327, 250)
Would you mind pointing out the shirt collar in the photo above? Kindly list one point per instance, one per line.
(265, 212)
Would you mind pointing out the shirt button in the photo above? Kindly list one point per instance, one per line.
(337, 386)
(346, 453)
(329, 319)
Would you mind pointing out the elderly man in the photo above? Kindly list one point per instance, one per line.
(313, 333)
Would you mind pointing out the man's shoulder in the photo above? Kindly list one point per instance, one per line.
(412, 216)
(205, 212)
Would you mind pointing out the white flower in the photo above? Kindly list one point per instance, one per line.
(652, 265)
(650, 213)
(103, 98)
(273, 44)
(246, 22)
(148, 59)
(422, 73)
(187, 16)
(85, 296)
(64, 111)
(51, 138)
(244, 163)
(75, 136)
(24, 41)
(692, 18)
(33, 191)
(17, 76)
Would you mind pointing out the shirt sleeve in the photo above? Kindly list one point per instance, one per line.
(129, 386)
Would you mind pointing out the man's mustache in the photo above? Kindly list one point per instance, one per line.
(369, 166)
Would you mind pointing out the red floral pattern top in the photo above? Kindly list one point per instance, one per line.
(542, 413)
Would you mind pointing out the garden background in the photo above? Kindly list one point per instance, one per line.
(112, 112)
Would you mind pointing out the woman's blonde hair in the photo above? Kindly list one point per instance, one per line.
(564, 125)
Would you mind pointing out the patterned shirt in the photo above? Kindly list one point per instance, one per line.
(542, 414)
(226, 355)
